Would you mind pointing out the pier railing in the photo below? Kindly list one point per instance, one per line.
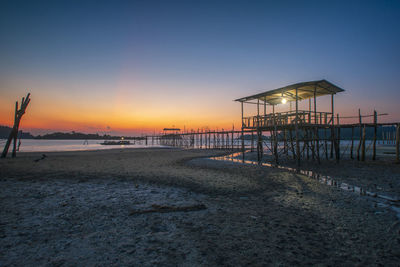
(303, 117)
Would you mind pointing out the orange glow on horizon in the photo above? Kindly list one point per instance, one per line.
(143, 108)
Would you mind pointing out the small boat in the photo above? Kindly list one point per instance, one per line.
(114, 143)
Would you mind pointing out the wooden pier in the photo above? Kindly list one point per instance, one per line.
(295, 134)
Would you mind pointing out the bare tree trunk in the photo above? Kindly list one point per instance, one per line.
(14, 132)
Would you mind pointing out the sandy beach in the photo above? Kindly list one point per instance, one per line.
(87, 208)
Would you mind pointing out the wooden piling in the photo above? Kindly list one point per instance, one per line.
(326, 144)
(209, 139)
(338, 140)
(297, 131)
(317, 144)
(233, 129)
(333, 143)
(397, 143)
(316, 123)
(359, 143)
(285, 149)
(308, 146)
(375, 132)
(363, 144)
(259, 144)
(352, 143)
(252, 142)
(275, 141)
(242, 135)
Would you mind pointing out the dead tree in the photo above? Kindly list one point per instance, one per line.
(14, 132)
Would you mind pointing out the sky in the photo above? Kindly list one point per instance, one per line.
(135, 67)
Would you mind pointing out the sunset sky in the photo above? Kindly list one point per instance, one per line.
(133, 67)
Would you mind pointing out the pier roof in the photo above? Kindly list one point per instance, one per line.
(305, 90)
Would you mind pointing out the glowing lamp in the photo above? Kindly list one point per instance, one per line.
(283, 100)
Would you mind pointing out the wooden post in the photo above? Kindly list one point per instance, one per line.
(285, 149)
(352, 142)
(259, 146)
(276, 144)
(363, 145)
(242, 134)
(297, 130)
(252, 142)
(221, 140)
(338, 140)
(265, 108)
(291, 143)
(326, 144)
(316, 122)
(397, 143)
(233, 129)
(375, 132)
(205, 139)
(201, 139)
(308, 146)
(215, 144)
(359, 143)
(333, 143)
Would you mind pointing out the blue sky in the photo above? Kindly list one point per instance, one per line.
(197, 55)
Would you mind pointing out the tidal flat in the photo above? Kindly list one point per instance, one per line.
(80, 208)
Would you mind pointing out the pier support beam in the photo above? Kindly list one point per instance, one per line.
(242, 135)
(297, 131)
(375, 132)
(363, 144)
(397, 143)
(359, 142)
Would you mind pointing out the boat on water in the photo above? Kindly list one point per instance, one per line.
(113, 142)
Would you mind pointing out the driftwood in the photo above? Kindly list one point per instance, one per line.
(42, 158)
(165, 209)
(14, 132)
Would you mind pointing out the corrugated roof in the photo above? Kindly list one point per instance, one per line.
(305, 90)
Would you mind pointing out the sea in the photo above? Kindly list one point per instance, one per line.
(38, 145)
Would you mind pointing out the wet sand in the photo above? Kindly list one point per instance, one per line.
(75, 208)
(381, 175)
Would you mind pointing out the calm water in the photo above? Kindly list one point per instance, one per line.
(33, 145)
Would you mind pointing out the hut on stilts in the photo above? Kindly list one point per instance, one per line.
(293, 132)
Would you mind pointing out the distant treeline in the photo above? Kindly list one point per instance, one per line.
(345, 134)
(5, 132)
(74, 135)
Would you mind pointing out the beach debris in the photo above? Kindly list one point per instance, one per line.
(14, 132)
(42, 158)
(165, 209)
